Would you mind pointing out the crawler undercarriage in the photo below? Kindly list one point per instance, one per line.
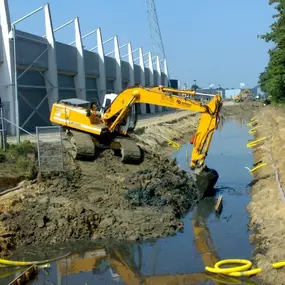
(85, 146)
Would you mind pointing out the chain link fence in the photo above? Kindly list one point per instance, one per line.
(50, 148)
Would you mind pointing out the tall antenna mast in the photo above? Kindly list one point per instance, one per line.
(157, 47)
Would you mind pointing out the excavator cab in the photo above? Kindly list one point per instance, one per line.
(129, 123)
(108, 100)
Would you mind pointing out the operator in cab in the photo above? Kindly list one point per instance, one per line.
(93, 114)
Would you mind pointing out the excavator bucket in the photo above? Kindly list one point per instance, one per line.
(205, 180)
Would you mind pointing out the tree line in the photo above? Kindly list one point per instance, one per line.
(272, 79)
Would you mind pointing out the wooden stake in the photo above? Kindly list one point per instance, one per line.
(219, 204)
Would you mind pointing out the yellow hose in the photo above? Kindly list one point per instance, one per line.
(252, 122)
(278, 265)
(253, 130)
(242, 270)
(18, 263)
(254, 143)
(257, 167)
(237, 271)
(220, 279)
(29, 263)
(173, 144)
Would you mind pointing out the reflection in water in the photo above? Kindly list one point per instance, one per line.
(122, 264)
(126, 263)
(239, 120)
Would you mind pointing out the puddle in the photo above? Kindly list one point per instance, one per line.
(179, 259)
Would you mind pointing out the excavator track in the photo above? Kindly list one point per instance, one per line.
(130, 152)
(83, 146)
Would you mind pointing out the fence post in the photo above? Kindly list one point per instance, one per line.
(61, 146)
(16, 84)
(2, 130)
(38, 147)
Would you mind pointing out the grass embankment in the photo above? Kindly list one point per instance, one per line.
(17, 163)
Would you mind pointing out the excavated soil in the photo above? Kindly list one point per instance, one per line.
(106, 199)
(98, 200)
(238, 109)
(267, 208)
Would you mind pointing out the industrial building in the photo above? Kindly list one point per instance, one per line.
(36, 71)
(231, 93)
(212, 91)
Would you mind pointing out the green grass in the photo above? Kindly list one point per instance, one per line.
(18, 159)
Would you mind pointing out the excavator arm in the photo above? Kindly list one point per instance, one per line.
(120, 108)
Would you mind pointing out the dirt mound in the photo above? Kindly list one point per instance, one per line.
(166, 186)
(239, 109)
(267, 209)
(153, 138)
(90, 201)
(105, 199)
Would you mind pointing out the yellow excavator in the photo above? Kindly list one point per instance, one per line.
(90, 129)
(245, 94)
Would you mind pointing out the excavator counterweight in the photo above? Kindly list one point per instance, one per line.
(90, 129)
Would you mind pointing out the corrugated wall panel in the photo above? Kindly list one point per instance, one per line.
(146, 74)
(91, 60)
(125, 71)
(110, 66)
(137, 74)
(66, 81)
(155, 76)
(30, 98)
(92, 96)
(28, 51)
(66, 57)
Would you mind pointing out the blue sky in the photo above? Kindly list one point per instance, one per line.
(212, 41)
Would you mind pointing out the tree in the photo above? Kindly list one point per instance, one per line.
(272, 80)
(195, 87)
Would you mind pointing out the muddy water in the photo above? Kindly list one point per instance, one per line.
(179, 259)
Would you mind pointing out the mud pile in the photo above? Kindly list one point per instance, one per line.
(90, 201)
(168, 185)
(105, 199)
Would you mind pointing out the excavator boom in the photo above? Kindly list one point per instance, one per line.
(121, 106)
